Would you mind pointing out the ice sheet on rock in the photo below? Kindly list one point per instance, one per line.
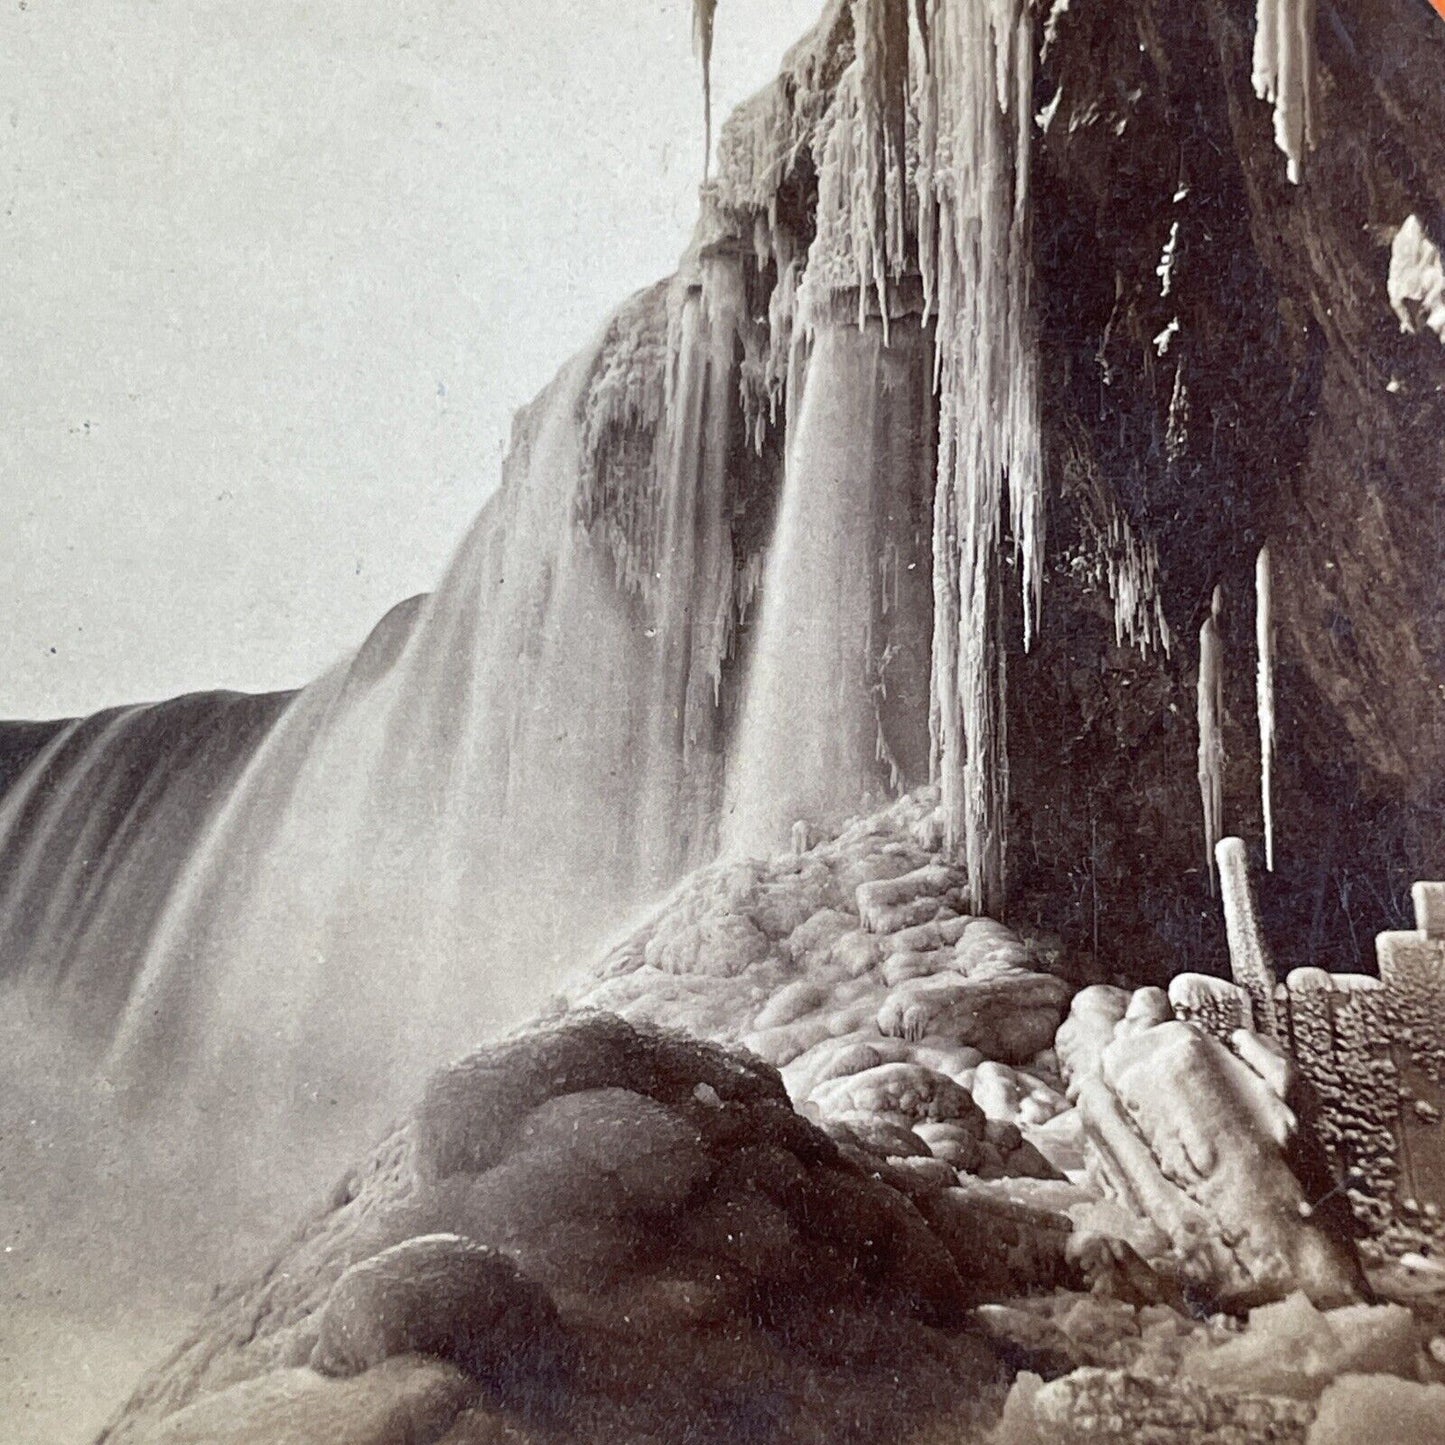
(1014, 1095)
(890, 905)
(1094, 1013)
(1147, 1007)
(772, 955)
(910, 1089)
(1010, 1015)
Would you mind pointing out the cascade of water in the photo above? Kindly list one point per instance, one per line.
(836, 702)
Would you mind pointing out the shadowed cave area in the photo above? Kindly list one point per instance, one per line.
(891, 885)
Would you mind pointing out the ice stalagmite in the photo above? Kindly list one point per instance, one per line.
(1211, 730)
(1284, 74)
(1264, 634)
(974, 256)
(1249, 960)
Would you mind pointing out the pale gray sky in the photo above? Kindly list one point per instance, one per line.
(273, 276)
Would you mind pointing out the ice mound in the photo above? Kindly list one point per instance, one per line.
(591, 1231)
(899, 1020)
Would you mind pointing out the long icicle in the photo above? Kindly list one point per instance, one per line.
(1211, 730)
(975, 260)
(1264, 688)
(704, 14)
(1284, 75)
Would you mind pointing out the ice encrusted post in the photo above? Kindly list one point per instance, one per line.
(1248, 958)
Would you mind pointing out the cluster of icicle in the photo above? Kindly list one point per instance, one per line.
(975, 124)
(1284, 74)
(1211, 712)
(1130, 570)
(963, 72)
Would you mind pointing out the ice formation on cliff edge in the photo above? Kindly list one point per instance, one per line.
(957, 79)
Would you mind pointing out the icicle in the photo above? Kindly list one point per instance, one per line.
(1211, 730)
(704, 13)
(880, 28)
(1264, 686)
(975, 131)
(1284, 74)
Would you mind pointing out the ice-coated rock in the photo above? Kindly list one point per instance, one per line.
(438, 1295)
(1292, 1348)
(1009, 1015)
(1364, 1409)
(1192, 1138)
(406, 1399)
(890, 1138)
(912, 1090)
(1012, 1094)
(887, 905)
(1147, 1007)
(1079, 1044)
(987, 944)
(564, 1225)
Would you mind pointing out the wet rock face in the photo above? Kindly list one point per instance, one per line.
(563, 1212)
(1287, 405)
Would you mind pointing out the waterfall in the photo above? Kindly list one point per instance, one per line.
(269, 918)
(837, 699)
